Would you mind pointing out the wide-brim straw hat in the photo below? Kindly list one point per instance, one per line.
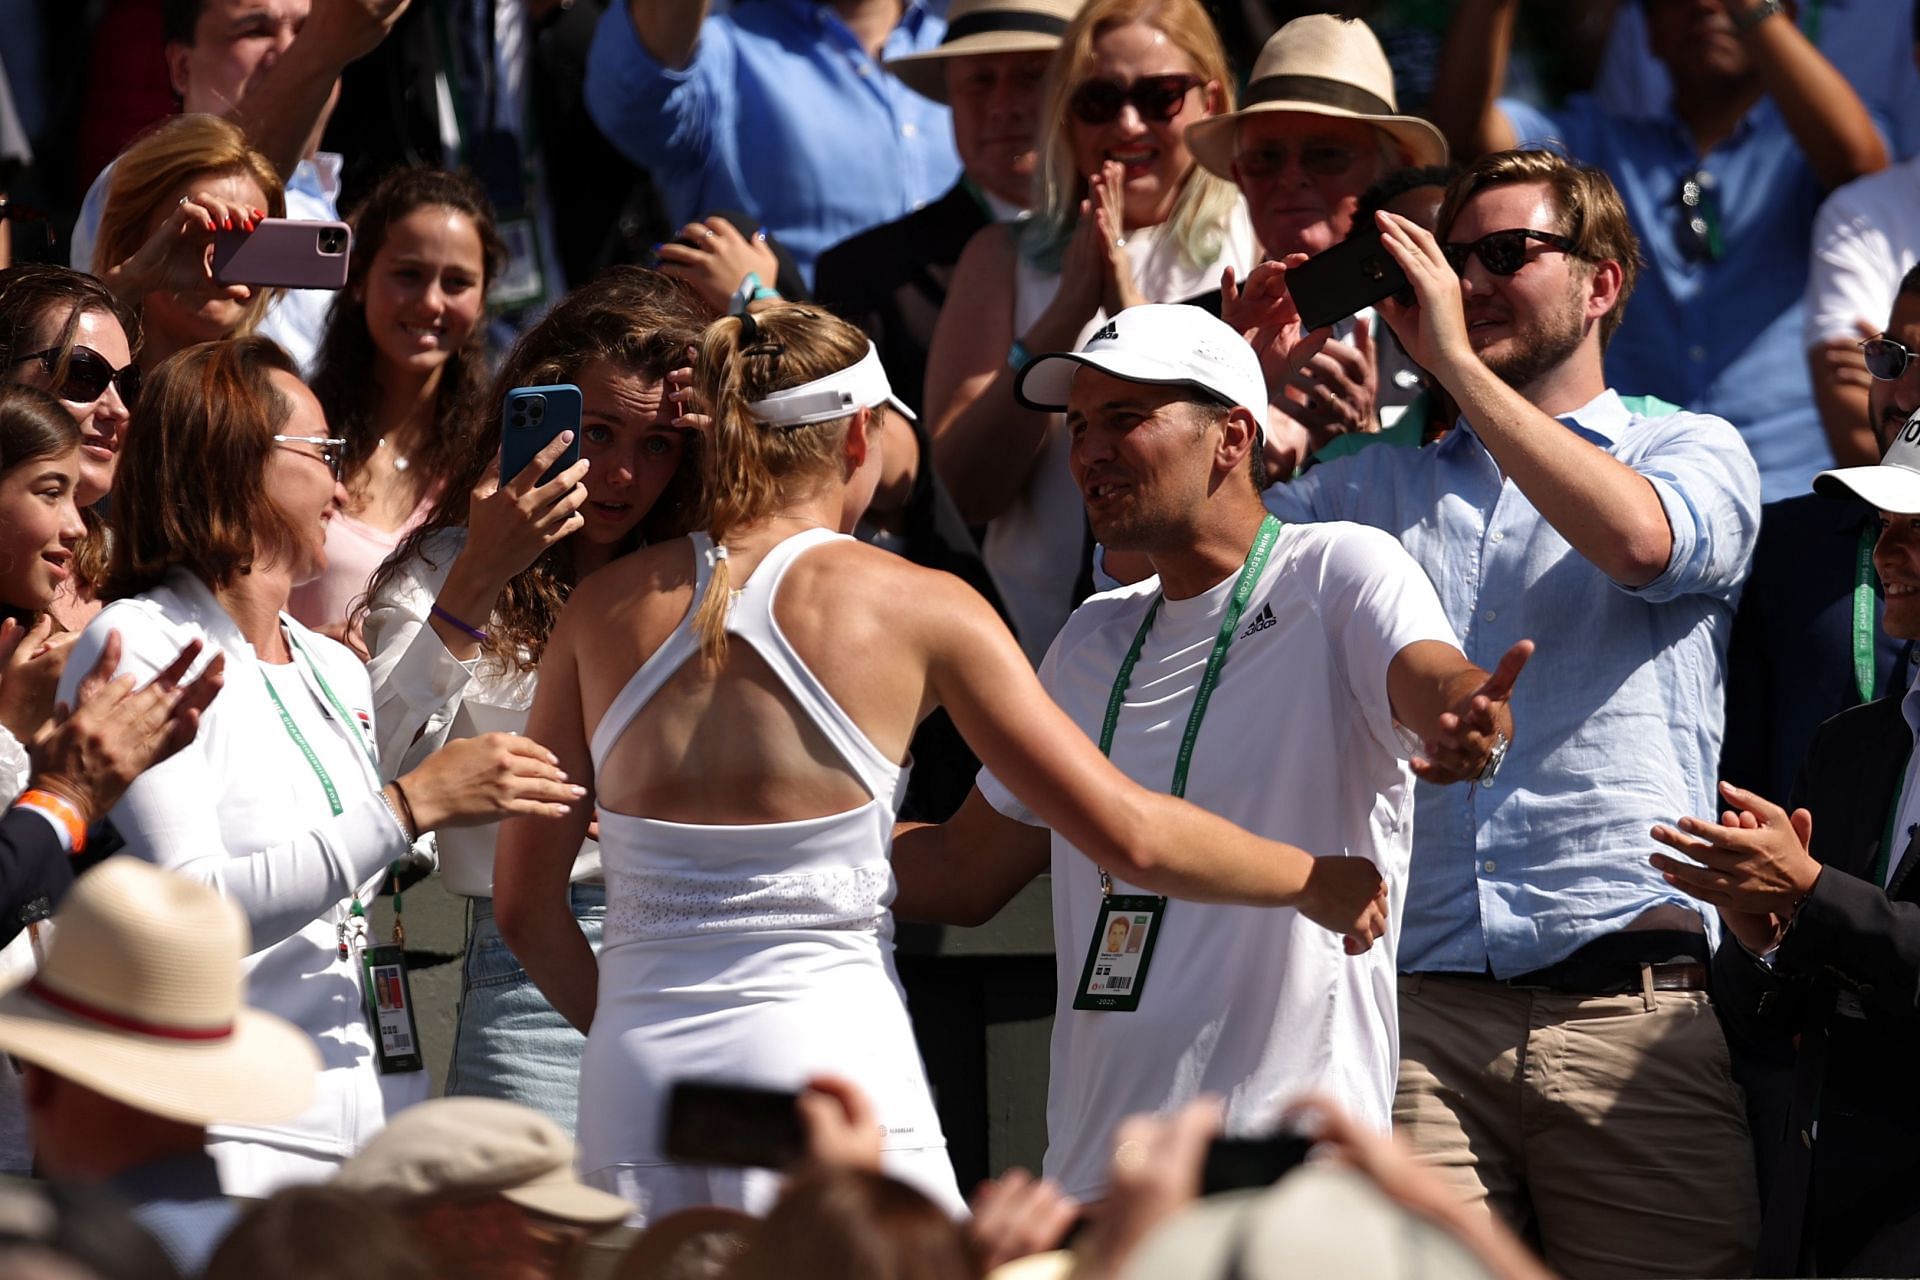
(985, 26)
(1323, 66)
(140, 1000)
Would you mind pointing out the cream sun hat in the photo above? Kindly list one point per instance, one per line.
(1326, 66)
(985, 26)
(139, 1000)
(479, 1146)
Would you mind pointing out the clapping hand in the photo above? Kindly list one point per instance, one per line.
(1753, 864)
(115, 732)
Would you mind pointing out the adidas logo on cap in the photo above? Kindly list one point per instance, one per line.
(1261, 621)
(1109, 332)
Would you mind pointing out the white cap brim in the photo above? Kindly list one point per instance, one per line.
(1886, 487)
(1046, 383)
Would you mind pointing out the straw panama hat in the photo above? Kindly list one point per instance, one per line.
(139, 1000)
(985, 26)
(479, 1146)
(1324, 66)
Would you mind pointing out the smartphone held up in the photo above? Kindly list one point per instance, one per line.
(1355, 273)
(530, 420)
(284, 253)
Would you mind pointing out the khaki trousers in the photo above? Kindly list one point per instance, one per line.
(1606, 1129)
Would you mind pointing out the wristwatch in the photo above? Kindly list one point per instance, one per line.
(1495, 758)
(1749, 18)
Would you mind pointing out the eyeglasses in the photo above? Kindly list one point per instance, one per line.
(88, 375)
(333, 450)
(1320, 159)
(1887, 359)
(1700, 218)
(1502, 252)
(1156, 98)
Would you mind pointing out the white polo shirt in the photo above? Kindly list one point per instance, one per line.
(1299, 744)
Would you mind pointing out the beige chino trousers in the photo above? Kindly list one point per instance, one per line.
(1607, 1130)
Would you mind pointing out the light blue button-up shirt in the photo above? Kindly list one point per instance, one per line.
(1617, 717)
(781, 114)
(1721, 337)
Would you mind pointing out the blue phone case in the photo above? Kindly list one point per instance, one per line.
(530, 419)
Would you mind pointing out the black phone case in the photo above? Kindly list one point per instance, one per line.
(1355, 273)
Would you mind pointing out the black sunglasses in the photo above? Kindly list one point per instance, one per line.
(1156, 98)
(1886, 359)
(88, 374)
(1502, 252)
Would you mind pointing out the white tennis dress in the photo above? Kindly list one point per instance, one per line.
(758, 954)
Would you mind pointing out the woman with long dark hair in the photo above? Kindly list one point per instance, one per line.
(459, 620)
(402, 372)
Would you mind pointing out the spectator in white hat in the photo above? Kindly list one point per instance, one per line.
(135, 1039)
(892, 280)
(1292, 655)
(1318, 125)
(486, 1186)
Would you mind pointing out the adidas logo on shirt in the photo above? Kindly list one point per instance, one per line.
(1261, 621)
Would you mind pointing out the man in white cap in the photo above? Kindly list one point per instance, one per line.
(1266, 672)
(1317, 126)
(485, 1185)
(1822, 914)
(892, 280)
(135, 1039)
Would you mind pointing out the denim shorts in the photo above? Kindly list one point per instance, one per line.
(510, 1043)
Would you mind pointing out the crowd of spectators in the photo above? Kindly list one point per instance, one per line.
(1467, 744)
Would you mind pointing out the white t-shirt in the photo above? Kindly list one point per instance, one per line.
(1865, 237)
(1255, 1004)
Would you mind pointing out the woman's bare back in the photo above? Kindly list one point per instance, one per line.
(729, 743)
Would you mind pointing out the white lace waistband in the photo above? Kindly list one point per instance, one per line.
(650, 906)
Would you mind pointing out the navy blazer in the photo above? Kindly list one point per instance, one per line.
(1845, 1195)
(35, 872)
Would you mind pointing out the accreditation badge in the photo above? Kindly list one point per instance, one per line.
(390, 1009)
(1124, 935)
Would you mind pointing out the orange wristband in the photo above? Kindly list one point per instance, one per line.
(59, 810)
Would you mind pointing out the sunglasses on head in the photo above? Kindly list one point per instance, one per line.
(88, 375)
(1320, 159)
(1886, 359)
(1502, 252)
(1156, 98)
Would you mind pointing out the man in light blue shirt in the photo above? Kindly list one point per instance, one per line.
(1559, 1057)
(779, 108)
(1722, 187)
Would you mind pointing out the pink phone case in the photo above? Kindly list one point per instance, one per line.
(282, 253)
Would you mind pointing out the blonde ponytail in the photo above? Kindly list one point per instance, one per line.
(751, 470)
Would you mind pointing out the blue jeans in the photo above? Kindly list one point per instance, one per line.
(510, 1043)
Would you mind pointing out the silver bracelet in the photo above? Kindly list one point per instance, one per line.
(398, 821)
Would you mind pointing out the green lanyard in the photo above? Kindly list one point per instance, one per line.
(306, 748)
(1242, 589)
(1864, 675)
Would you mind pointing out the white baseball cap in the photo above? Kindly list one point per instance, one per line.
(1164, 344)
(1893, 484)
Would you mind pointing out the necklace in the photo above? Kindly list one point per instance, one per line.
(399, 462)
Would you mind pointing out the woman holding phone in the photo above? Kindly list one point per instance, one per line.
(186, 180)
(458, 622)
(402, 372)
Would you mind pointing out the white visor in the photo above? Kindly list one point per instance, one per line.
(861, 386)
(1892, 485)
